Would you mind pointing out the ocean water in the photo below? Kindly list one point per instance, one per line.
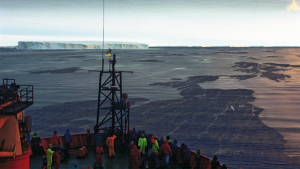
(272, 73)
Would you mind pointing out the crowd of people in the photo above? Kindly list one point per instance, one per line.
(150, 146)
(141, 145)
(53, 157)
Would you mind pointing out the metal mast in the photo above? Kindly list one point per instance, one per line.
(112, 107)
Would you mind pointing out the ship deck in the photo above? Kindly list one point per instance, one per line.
(118, 162)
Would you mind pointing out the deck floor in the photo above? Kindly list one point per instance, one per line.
(118, 162)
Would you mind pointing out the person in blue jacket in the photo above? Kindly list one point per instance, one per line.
(134, 136)
(68, 138)
(98, 138)
(174, 149)
(28, 138)
(134, 131)
(149, 144)
(186, 157)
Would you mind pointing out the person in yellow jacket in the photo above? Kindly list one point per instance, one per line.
(49, 156)
(155, 146)
(142, 144)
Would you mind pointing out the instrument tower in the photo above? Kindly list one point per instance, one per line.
(112, 102)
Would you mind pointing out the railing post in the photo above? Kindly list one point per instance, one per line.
(14, 105)
(27, 93)
(19, 98)
(32, 94)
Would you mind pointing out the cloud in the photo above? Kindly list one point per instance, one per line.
(293, 6)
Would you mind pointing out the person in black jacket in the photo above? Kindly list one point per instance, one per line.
(139, 135)
(215, 163)
(145, 134)
(181, 155)
(224, 166)
(161, 141)
(169, 140)
(198, 158)
(88, 138)
(35, 141)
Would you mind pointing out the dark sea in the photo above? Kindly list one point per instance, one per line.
(184, 92)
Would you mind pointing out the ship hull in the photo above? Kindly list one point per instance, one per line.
(17, 162)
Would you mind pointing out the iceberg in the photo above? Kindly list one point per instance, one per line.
(25, 45)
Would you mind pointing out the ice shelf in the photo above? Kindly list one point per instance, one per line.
(80, 45)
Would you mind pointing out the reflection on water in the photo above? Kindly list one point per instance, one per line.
(279, 99)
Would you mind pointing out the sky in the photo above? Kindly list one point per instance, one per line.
(155, 22)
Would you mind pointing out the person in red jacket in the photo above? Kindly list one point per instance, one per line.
(166, 150)
(110, 142)
(55, 139)
(56, 159)
(135, 157)
(99, 155)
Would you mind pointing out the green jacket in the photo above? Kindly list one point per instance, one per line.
(155, 147)
(142, 143)
(49, 154)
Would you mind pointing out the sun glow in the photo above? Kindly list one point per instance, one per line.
(293, 6)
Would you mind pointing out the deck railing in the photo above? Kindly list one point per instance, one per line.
(78, 140)
(53, 167)
(86, 168)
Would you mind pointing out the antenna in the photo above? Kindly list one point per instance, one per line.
(103, 40)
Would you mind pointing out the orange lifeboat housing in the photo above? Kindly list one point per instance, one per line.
(13, 154)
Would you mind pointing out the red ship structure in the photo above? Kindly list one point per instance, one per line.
(14, 125)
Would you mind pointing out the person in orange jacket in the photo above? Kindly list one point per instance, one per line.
(99, 155)
(55, 139)
(56, 159)
(110, 144)
(135, 157)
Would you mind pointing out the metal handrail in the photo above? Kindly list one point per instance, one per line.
(23, 95)
(86, 168)
(53, 166)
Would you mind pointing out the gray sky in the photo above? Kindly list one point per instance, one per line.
(155, 22)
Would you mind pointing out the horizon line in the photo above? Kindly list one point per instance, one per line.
(156, 46)
(231, 46)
